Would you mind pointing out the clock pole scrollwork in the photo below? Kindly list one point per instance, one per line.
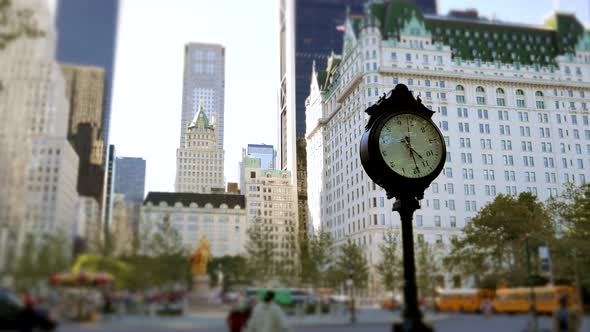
(403, 151)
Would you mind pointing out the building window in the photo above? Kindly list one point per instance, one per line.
(419, 220)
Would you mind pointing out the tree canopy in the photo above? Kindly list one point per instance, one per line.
(351, 262)
(492, 243)
(390, 267)
(317, 259)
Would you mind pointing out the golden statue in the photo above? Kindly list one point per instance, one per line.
(200, 257)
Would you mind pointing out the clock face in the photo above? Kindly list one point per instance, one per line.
(411, 145)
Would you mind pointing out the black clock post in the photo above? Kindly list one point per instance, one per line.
(403, 151)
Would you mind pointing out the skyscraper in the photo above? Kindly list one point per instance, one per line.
(38, 166)
(130, 178)
(85, 90)
(199, 163)
(266, 154)
(109, 187)
(204, 83)
(87, 34)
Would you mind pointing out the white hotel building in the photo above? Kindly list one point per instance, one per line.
(511, 101)
(219, 217)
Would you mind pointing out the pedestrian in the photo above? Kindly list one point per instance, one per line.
(564, 319)
(237, 318)
(487, 308)
(267, 316)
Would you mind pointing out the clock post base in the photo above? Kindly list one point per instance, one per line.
(409, 325)
(412, 317)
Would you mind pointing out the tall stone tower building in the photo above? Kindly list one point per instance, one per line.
(38, 166)
(204, 82)
(87, 32)
(85, 90)
(199, 161)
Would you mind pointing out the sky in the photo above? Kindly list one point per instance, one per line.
(147, 95)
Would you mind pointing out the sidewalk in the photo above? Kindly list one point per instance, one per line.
(193, 321)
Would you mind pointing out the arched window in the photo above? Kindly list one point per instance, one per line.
(519, 92)
(539, 94)
(480, 89)
(500, 91)
(460, 94)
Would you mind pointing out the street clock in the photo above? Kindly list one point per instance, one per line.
(402, 150)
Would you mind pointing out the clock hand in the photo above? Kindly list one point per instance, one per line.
(416, 152)
(411, 150)
(408, 137)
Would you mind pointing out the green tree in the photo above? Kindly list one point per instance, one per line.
(317, 258)
(259, 255)
(390, 267)
(232, 267)
(24, 268)
(170, 262)
(53, 256)
(491, 246)
(352, 260)
(571, 211)
(41, 257)
(427, 269)
(286, 268)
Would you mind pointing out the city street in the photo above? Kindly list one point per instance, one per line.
(452, 323)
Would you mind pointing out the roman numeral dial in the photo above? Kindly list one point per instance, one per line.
(411, 145)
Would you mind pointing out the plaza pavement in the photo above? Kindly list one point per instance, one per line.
(216, 320)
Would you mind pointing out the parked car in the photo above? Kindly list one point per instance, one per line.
(16, 316)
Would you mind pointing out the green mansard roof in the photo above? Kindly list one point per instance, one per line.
(479, 38)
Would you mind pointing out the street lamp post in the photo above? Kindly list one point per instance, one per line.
(350, 284)
(531, 285)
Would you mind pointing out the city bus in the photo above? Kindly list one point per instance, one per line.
(283, 296)
(462, 300)
(518, 300)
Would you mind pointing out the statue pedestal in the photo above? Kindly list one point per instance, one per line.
(201, 297)
(201, 287)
